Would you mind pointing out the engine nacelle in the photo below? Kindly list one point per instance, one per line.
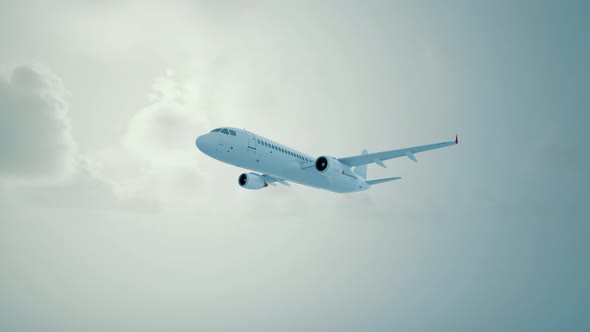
(329, 166)
(251, 181)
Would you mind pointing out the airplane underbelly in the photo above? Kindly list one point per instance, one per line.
(292, 171)
(311, 177)
(343, 184)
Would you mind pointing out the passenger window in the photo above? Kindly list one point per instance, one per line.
(232, 132)
(225, 131)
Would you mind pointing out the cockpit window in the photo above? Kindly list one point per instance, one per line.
(225, 131)
(232, 132)
(216, 130)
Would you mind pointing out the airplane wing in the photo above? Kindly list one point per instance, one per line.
(379, 157)
(272, 179)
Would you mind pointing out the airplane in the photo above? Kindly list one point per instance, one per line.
(277, 163)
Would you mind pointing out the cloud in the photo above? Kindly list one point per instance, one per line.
(35, 139)
(38, 157)
(156, 159)
(84, 190)
(163, 131)
(154, 165)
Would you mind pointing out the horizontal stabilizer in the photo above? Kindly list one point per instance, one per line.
(372, 182)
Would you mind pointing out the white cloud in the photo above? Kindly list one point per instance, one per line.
(35, 139)
(155, 165)
(157, 159)
(83, 191)
(163, 131)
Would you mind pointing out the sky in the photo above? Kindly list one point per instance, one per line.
(112, 220)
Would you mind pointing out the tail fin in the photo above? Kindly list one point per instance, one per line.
(362, 170)
(372, 182)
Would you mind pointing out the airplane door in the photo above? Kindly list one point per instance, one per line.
(251, 141)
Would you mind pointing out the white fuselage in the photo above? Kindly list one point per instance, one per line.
(250, 151)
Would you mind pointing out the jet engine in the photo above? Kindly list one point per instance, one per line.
(251, 181)
(329, 166)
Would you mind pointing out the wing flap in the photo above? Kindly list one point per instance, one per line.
(272, 179)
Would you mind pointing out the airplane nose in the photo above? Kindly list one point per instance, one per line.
(200, 142)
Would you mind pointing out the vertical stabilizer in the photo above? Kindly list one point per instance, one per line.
(362, 170)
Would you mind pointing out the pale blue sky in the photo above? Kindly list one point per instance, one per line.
(111, 220)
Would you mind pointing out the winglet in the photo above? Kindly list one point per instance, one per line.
(456, 139)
